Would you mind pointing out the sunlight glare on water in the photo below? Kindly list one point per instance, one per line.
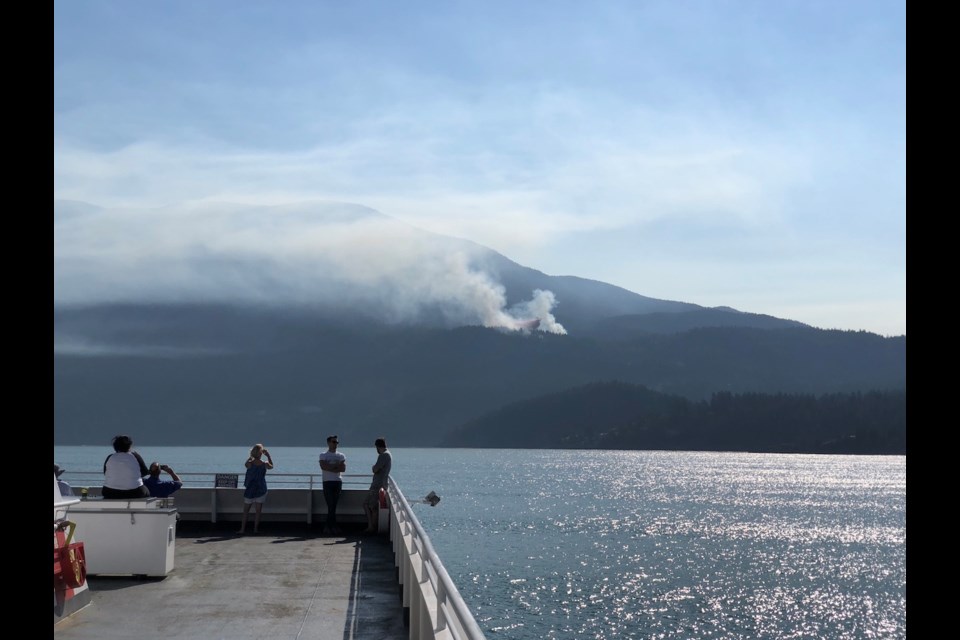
(607, 544)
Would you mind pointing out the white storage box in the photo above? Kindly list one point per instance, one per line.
(126, 537)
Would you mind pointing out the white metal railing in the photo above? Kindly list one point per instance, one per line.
(437, 611)
(278, 480)
(293, 495)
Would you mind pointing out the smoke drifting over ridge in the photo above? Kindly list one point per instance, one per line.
(319, 254)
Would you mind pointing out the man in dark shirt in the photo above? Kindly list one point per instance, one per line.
(161, 488)
(381, 472)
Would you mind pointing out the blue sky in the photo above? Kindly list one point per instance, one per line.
(738, 153)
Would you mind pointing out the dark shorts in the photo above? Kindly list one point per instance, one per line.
(124, 494)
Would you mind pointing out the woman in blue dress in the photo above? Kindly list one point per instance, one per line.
(255, 484)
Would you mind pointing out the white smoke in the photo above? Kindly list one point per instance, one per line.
(539, 308)
(471, 295)
(318, 254)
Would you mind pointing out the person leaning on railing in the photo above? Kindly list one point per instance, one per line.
(381, 471)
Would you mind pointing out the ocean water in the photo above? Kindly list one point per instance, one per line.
(640, 544)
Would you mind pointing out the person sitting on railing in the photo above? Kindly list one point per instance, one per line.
(381, 471)
(161, 488)
(123, 471)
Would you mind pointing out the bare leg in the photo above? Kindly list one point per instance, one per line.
(256, 517)
(371, 518)
(243, 519)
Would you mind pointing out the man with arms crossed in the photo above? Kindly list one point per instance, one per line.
(333, 464)
(381, 471)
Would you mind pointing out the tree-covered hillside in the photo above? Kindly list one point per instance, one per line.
(222, 376)
(615, 415)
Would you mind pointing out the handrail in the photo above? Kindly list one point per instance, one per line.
(207, 479)
(442, 585)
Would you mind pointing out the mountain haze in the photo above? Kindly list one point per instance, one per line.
(227, 324)
(331, 258)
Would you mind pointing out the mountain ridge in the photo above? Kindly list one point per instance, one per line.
(372, 264)
(408, 335)
(235, 379)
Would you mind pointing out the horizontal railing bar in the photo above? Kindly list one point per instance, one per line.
(192, 478)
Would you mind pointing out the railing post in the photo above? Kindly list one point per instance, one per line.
(426, 627)
(310, 501)
(441, 600)
(413, 594)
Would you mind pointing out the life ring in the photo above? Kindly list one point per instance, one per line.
(72, 570)
(73, 564)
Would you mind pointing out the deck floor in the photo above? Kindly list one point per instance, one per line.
(285, 582)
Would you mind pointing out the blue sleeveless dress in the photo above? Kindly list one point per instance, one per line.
(255, 482)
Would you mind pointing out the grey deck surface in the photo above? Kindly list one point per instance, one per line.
(285, 582)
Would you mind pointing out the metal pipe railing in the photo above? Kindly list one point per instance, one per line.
(453, 618)
(206, 479)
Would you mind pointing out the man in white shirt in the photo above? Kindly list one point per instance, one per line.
(333, 463)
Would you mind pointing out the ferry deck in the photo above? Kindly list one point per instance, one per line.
(290, 580)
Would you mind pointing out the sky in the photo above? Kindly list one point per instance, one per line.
(748, 154)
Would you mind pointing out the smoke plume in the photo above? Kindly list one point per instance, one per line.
(330, 255)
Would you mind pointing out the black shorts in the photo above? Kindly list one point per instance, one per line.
(120, 494)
